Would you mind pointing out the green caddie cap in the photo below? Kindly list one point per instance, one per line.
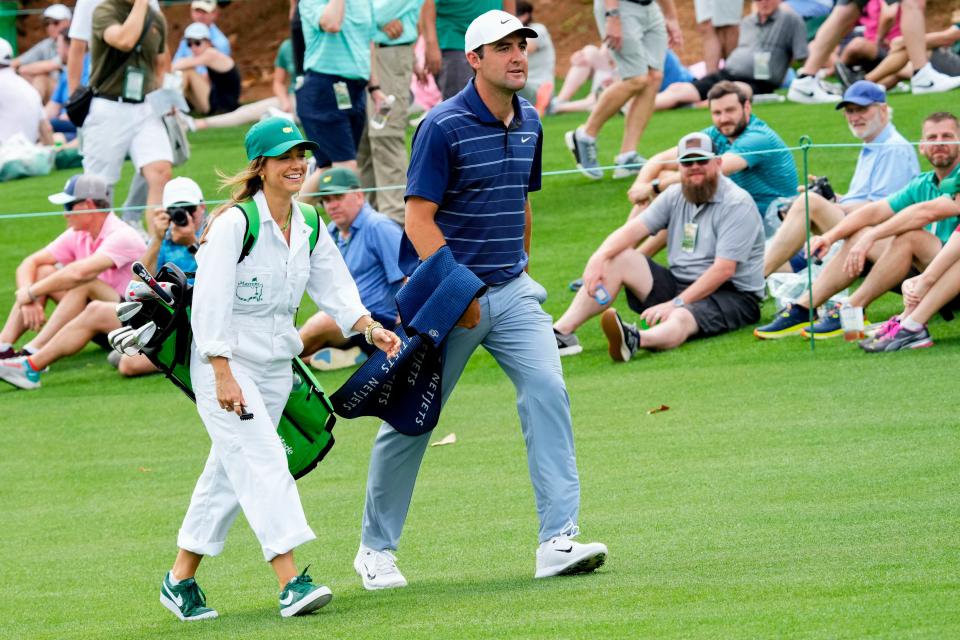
(273, 137)
(338, 180)
(949, 186)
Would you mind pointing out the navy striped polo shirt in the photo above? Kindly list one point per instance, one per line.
(479, 172)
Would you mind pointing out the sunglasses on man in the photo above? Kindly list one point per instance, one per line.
(697, 161)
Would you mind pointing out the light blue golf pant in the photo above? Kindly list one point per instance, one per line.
(518, 333)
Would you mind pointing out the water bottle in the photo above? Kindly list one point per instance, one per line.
(379, 118)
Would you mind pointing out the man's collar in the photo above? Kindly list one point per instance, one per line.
(882, 137)
(479, 107)
(362, 215)
(770, 18)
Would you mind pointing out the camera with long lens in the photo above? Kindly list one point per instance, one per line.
(821, 186)
(180, 215)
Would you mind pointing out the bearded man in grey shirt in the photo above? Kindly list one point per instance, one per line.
(714, 283)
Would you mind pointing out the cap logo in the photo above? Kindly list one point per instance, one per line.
(694, 143)
(327, 178)
(287, 129)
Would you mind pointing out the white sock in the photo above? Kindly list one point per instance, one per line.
(5, 345)
(29, 348)
(170, 577)
(582, 134)
(911, 325)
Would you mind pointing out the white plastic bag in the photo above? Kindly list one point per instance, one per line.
(20, 158)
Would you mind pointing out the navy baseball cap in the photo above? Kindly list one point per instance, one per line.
(863, 93)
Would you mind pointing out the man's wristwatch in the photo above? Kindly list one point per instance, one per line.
(611, 13)
(678, 302)
(655, 185)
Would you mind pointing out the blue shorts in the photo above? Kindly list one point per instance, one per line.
(337, 131)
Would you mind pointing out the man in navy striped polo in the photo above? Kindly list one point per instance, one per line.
(475, 158)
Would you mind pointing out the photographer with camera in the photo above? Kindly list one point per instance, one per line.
(885, 165)
(176, 233)
(177, 227)
(892, 234)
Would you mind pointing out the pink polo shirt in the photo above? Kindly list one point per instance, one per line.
(116, 239)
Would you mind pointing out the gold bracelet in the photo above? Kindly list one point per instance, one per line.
(368, 332)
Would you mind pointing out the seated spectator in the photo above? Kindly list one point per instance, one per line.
(807, 88)
(890, 233)
(282, 103)
(54, 108)
(176, 234)
(596, 64)
(885, 165)
(370, 244)
(944, 47)
(19, 103)
(737, 136)
(205, 12)
(541, 61)
(89, 261)
(936, 289)
(217, 90)
(770, 39)
(714, 283)
(41, 64)
(881, 24)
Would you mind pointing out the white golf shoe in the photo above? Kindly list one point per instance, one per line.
(562, 556)
(378, 569)
(929, 80)
(809, 90)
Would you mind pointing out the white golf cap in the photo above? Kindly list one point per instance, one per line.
(181, 191)
(57, 12)
(197, 31)
(81, 187)
(491, 26)
(204, 5)
(695, 145)
(6, 53)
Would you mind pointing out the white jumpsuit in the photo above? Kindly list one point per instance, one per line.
(245, 312)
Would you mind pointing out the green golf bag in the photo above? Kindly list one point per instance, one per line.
(306, 427)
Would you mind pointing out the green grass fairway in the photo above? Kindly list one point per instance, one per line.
(785, 493)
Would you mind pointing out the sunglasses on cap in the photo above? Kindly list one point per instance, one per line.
(194, 43)
(697, 161)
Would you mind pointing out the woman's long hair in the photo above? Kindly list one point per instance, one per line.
(244, 185)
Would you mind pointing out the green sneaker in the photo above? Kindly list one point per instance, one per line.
(301, 596)
(186, 600)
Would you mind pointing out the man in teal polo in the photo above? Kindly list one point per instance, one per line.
(894, 242)
(338, 74)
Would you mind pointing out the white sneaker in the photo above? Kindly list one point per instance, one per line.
(378, 569)
(929, 80)
(562, 556)
(808, 90)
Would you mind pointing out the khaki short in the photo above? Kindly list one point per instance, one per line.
(644, 38)
(722, 13)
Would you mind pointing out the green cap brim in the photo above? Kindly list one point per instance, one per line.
(283, 147)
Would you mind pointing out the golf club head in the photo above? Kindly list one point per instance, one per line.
(144, 334)
(116, 336)
(128, 345)
(126, 310)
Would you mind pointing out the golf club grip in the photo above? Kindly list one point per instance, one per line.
(141, 272)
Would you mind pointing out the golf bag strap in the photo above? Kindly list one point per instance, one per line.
(252, 216)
